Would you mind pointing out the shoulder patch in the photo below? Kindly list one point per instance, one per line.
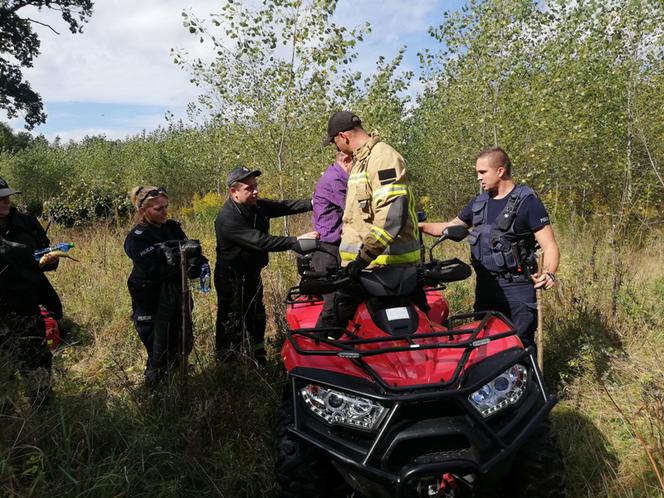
(386, 176)
(147, 250)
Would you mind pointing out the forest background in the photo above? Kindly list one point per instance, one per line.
(573, 91)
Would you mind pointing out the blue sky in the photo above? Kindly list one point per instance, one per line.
(117, 78)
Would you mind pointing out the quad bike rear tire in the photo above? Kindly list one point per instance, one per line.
(538, 470)
(302, 471)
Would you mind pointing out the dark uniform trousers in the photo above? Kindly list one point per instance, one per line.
(515, 298)
(323, 261)
(240, 326)
(23, 348)
(159, 326)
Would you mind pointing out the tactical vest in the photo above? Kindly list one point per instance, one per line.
(496, 248)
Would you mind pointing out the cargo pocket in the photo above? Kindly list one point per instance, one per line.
(363, 196)
(524, 318)
(499, 259)
(478, 213)
(510, 261)
(473, 241)
(503, 257)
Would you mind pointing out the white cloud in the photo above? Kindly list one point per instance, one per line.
(122, 56)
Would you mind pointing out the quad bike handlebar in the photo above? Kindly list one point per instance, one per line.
(384, 281)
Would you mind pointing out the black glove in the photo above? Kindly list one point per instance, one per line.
(195, 265)
(356, 266)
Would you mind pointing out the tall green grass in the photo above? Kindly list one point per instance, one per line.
(209, 435)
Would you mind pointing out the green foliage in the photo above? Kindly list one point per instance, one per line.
(382, 101)
(21, 43)
(13, 142)
(204, 209)
(85, 203)
(271, 89)
(567, 88)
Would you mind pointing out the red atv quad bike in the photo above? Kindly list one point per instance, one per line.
(403, 403)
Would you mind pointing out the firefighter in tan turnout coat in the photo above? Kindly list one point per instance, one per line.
(379, 223)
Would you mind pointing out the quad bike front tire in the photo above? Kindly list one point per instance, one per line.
(538, 470)
(302, 471)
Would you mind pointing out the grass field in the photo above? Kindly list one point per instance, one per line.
(103, 436)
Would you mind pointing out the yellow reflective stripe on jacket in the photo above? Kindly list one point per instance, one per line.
(395, 259)
(413, 217)
(382, 235)
(393, 190)
(361, 177)
(386, 259)
(347, 256)
(409, 256)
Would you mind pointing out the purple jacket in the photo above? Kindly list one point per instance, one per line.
(329, 200)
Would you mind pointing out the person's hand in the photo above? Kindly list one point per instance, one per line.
(47, 259)
(544, 280)
(433, 229)
(309, 235)
(356, 266)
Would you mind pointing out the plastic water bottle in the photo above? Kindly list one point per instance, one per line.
(62, 246)
(205, 278)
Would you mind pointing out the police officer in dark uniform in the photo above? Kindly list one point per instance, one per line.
(23, 288)
(243, 242)
(507, 222)
(155, 282)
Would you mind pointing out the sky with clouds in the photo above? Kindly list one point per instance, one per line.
(117, 78)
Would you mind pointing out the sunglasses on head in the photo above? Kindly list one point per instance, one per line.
(149, 194)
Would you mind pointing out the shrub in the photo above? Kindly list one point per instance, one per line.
(84, 203)
(204, 209)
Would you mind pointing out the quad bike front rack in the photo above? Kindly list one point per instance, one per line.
(348, 348)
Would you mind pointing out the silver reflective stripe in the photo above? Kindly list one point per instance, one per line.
(400, 246)
(352, 248)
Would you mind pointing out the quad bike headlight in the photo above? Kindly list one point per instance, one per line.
(501, 392)
(339, 408)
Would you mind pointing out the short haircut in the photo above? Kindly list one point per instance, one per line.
(498, 158)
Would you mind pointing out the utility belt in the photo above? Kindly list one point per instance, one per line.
(484, 274)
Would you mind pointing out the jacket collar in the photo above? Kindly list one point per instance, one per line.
(242, 209)
(363, 152)
(16, 218)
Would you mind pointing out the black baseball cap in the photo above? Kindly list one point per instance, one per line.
(338, 122)
(240, 173)
(5, 190)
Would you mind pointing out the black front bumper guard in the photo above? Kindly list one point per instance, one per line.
(398, 482)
